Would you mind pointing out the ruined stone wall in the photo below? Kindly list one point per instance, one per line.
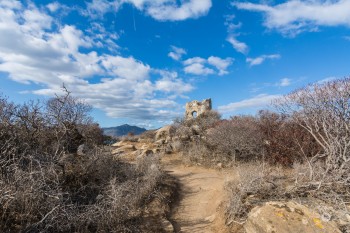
(197, 108)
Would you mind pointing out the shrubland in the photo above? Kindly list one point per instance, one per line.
(56, 176)
(299, 150)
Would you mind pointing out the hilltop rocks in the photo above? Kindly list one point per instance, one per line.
(280, 217)
(165, 133)
(124, 148)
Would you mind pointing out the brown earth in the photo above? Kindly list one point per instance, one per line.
(201, 193)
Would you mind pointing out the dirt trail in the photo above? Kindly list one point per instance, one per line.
(201, 192)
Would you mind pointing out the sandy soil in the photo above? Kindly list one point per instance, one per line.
(201, 193)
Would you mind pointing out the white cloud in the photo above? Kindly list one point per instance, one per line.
(295, 16)
(170, 83)
(165, 10)
(259, 60)
(198, 69)
(237, 45)
(34, 52)
(284, 82)
(162, 10)
(258, 101)
(53, 7)
(176, 53)
(220, 64)
(198, 65)
(97, 8)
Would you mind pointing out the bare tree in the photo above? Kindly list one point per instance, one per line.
(323, 110)
(66, 114)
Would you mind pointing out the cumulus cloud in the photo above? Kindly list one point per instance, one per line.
(162, 10)
(176, 53)
(237, 45)
(295, 16)
(33, 51)
(220, 64)
(259, 60)
(198, 69)
(258, 101)
(198, 65)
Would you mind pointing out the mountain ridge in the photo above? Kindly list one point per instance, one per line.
(123, 130)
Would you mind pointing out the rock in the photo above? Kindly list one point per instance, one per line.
(119, 144)
(123, 149)
(196, 108)
(81, 150)
(159, 142)
(290, 217)
(165, 132)
(146, 153)
(167, 226)
(168, 149)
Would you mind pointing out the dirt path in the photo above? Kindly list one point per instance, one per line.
(201, 192)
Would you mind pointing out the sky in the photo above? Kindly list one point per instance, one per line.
(139, 61)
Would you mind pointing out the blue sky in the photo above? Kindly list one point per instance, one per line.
(140, 61)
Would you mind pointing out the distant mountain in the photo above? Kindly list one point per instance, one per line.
(123, 130)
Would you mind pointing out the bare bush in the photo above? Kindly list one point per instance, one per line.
(197, 153)
(323, 110)
(257, 183)
(238, 138)
(45, 186)
(285, 141)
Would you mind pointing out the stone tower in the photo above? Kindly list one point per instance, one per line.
(196, 108)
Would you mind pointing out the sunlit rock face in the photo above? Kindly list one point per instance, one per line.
(196, 108)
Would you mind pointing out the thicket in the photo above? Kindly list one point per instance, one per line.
(308, 134)
(56, 177)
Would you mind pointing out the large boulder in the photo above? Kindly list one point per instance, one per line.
(165, 133)
(124, 149)
(119, 144)
(287, 217)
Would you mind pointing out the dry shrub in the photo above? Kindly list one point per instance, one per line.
(257, 183)
(197, 153)
(46, 188)
(286, 142)
(177, 145)
(323, 110)
(238, 138)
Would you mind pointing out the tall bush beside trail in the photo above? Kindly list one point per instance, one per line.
(46, 186)
(238, 138)
(323, 110)
(285, 141)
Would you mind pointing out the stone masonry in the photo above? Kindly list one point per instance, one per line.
(196, 108)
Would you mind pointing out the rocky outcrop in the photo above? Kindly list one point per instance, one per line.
(123, 149)
(289, 217)
(196, 108)
(164, 133)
